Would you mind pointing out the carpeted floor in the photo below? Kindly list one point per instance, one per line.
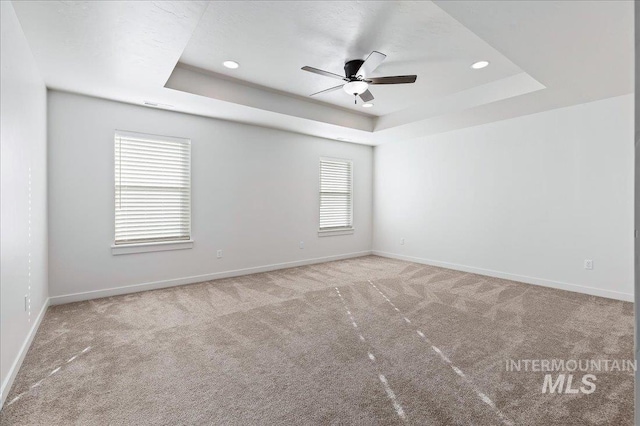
(362, 341)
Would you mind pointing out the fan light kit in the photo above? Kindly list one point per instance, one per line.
(479, 65)
(357, 77)
(231, 64)
(355, 87)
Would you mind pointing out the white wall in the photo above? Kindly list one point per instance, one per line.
(23, 152)
(527, 199)
(254, 195)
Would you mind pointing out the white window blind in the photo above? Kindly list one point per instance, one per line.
(336, 194)
(153, 188)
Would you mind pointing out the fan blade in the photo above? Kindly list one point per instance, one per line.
(366, 96)
(327, 90)
(371, 63)
(396, 79)
(322, 72)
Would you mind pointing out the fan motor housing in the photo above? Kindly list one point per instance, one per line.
(352, 67)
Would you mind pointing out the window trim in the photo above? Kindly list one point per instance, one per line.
(347, 230)
(151, 246)
(337, 231)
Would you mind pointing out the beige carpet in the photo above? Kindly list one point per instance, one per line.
(416, 345)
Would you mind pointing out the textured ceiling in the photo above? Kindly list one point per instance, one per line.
(273, 40)
(544, 55)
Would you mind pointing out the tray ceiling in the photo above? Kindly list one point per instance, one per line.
(543, 55)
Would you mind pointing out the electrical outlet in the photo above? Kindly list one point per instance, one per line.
(219, 254)
(301, 245)
(401, 241)
(588, 264)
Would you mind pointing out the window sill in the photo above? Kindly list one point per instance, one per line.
(332, 232)
(149, 247)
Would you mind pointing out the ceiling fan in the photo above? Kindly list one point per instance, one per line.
(357, 78)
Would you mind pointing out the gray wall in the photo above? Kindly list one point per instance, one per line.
(527, 199)
(23, 196)
(254, 196)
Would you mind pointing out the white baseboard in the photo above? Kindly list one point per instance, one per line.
(96, 294)
(17, 363)
(627, 297)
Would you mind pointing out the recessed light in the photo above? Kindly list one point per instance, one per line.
(231, 64)
(479, 65)
(367, 105)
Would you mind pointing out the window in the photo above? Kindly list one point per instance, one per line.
(152, 189)
(336, 196)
